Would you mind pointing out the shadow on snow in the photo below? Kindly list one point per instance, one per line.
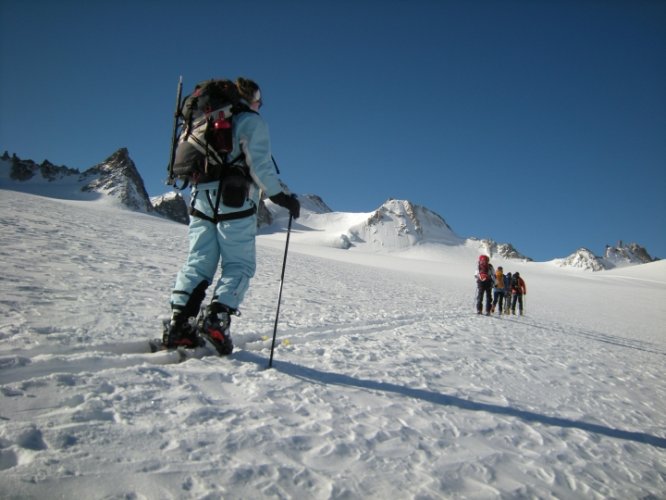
(322, 377)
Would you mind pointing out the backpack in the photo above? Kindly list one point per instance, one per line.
(205, 140)
(484, 268)
(515, 283)
(499, 279)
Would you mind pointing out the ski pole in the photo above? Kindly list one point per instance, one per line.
(277, 313)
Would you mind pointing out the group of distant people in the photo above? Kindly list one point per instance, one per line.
(501, 291)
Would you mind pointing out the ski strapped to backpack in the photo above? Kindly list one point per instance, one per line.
(202, 140)
(171, 181)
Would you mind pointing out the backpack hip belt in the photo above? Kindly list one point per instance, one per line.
(223, 217)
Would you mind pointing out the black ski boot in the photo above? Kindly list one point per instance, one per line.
(180, 333)
(214, 326)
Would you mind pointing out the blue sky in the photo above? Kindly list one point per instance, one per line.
(540, 123)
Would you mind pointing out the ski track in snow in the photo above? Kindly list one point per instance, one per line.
(384, 383)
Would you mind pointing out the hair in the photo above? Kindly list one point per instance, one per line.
(247, 89)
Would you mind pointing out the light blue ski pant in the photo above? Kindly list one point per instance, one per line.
(231, 244)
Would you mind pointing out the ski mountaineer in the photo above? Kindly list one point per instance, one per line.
(518, 289)
(498, 291)
(226, 237)
(507, 293)
(485, 279)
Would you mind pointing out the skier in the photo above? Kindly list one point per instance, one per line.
(498, 291)
(485, 277)
(226, 237)
(518, 289)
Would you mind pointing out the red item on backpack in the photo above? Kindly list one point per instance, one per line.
(484, 268)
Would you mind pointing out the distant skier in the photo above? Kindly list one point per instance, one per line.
(507, 293)
(498, 291)
(518, 289)
(222, 231)
(485, 276)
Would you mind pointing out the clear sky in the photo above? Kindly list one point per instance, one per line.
(540, 123)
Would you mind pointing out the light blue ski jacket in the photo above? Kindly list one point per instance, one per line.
(250, 137)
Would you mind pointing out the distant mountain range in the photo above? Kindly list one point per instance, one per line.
(396, 225)
(617, 256)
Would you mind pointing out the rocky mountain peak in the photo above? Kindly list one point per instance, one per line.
(617, 256)
(118, 177)
(24, 170)
(623, 254)
(504, 250)
(171, 206)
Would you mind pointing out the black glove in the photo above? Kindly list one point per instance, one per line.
(288, 201)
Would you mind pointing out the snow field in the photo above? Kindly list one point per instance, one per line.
(385, 382)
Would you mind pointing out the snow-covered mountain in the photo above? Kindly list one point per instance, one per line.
(618, 256)
(582, 259)
(396, 226)
(626, 254)
(116, 179)
(399, 224)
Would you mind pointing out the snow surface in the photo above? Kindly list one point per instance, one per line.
(385, 383)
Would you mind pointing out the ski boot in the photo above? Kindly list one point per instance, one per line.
(214, 325)
(179, 333)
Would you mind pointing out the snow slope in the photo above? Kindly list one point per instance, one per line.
(385, 384)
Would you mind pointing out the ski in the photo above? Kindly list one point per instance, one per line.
(223, 346)
(210, 344)
(183, 353)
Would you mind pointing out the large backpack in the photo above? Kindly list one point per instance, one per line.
(515, 283)
(484, 268)
(499, 279)
(205, 141)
